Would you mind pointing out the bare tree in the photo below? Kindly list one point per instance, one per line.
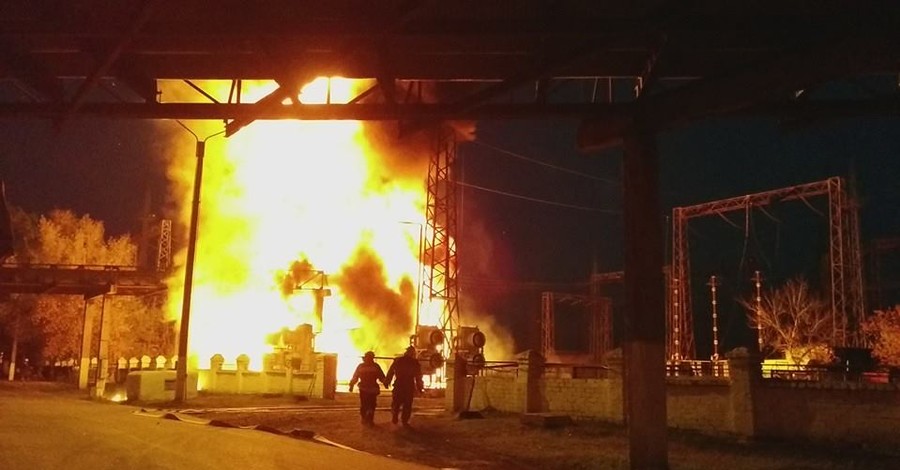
(794, 321)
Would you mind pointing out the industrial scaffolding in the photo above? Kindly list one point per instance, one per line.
(846, 288)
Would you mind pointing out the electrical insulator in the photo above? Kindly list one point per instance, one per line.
(429, 337)
(470, 338)
(430, 360)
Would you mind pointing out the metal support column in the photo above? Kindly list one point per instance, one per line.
(644, 343)
(547, 340)
(856, 298)
(679, 331)
(836, 251)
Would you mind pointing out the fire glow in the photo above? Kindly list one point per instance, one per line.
(282, 193)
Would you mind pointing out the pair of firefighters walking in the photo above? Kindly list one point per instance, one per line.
(406, 373)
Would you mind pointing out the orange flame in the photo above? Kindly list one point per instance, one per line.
(282, 192)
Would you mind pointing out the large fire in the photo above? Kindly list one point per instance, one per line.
(283, 195)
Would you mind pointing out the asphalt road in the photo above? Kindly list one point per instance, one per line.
(52, 431)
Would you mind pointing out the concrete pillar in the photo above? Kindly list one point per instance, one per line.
(457, 391)
(744, 371)
(102, 351)
(215, 366)
(87, 332)
(614, 409)
(528, 381)
(644, 325)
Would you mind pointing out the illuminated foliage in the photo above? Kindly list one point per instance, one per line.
(55, 322)
(794, 321)
(883, 332)
(138, 327)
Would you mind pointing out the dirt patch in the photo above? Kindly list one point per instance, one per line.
(502, 440)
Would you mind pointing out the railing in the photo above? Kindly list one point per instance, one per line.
(496, 369)
(695, 368)
(829, 373)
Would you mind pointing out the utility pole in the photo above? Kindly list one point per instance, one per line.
(181, 366)
(184, 328)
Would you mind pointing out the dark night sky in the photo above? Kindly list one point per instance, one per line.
(99, 167)
(707, 161)
(105, 167)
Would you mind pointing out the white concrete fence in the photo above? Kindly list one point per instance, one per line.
(316, 379)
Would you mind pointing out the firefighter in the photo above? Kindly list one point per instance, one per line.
(368, 373)
(406, 372)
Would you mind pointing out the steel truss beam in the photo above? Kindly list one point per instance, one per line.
(847, 303)
(79, 280)
(271, 108)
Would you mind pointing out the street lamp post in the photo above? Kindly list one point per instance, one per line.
(181, 366)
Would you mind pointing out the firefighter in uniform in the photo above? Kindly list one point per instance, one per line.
(406, 372)
(368, 373)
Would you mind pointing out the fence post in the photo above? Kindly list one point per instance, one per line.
(215, 365)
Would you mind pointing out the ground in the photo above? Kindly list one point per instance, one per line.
(501, 440)
(493, 441)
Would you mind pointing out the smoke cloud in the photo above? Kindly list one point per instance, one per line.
(386, 313)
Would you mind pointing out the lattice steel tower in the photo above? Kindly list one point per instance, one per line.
(164, 250)
(846, 288)
(439, 254)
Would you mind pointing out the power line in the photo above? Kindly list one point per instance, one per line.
(539, 162)
(542, 201)
(498, 283)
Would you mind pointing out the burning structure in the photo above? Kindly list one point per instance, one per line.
(297, 212)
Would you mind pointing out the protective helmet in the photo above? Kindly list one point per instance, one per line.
(369, 355)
